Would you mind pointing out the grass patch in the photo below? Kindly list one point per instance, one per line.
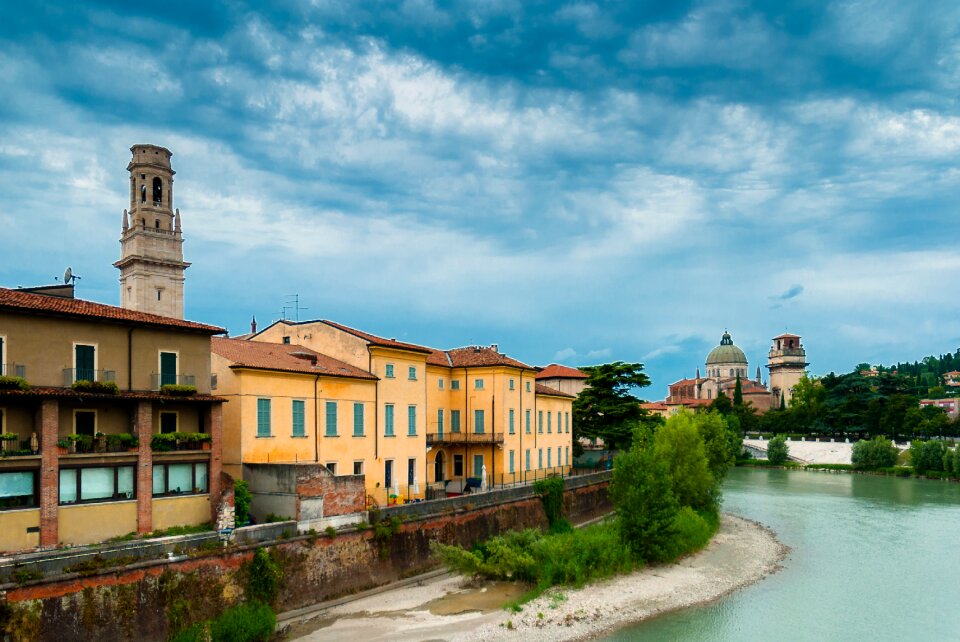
(829, 466)
(182, 530)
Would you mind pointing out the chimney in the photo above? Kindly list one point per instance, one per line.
(253, 325)
(306, 356)
(495, 347)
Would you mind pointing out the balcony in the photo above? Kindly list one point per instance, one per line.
(159, 380)
(13, 370)
(450, 438)
(72, 375)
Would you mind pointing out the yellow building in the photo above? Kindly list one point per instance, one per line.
(439, 419)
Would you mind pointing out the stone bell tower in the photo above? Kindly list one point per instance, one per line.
(787, 362)
(151, 244)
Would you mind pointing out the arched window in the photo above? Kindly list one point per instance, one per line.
(143, 193)
(157, 191)
(156, 224)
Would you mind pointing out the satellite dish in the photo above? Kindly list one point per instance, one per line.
(68, 275)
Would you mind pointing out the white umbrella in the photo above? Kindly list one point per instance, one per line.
(416, 485)
(483, 479)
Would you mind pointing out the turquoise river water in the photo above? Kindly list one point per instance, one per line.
(873, 558)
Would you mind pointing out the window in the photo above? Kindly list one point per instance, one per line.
(568, 455)
(412, 373)
(458, 465)
(157, 191)
(180, 479)
(84, 362)
(388, 473)
(511, 462)
(286, 341)
(511, 421)
(168, 367)
(567, 422)
(331, 419)
(528, 386)
(357, 421)
(143, 193)
(411, 420)
(549, 422)
(440, 421)
(478, 421)
(411, 471)
(559, 451)
(511, 384)
(454, 384)
(454, 421)
(388, 420)
(540, 421)
(358, 468)
(477, 465)
(169, 421)
(96, 484)
(440, 383)
(263, 417)
(18, 489)
(332, 467)
(478, 384)
(85, 422)
(528, 422)
(3, 362)
(539, 457)
(528, 459)
(297, 410)
(549, 458)
(389, 371)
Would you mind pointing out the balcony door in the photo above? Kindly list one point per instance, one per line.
(85, 363)
(168, 368)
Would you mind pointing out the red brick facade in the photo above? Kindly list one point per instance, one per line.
(47, 423)
(341, 495)
(214, 423)
(144, 432)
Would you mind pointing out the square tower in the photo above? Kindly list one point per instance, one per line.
(787, 362)
(151, 243)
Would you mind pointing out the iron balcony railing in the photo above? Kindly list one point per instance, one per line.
(13, 370)
(157, 380)
(72, 375)
(464, 438)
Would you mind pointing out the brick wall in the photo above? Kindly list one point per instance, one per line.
(214, 423)
(341, 495)
(143, 422)
(48, 422)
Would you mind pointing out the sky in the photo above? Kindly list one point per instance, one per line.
(577, 182)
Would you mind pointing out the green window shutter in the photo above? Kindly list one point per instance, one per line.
(528, 424)
(331, 419)
(511, 421)
(263, 417)
(85, 356)
(358, 420)
(539, 457)
(389, 373)
(528, 459)
(549, 458)
(567, 421)
(539, 421)
(388, 420)
(511, 461)
(478, 421)
(454, 421)
(477, 465)
(440, 421)
(299, 429)
(549, 422)
(168, 368)
(411, 420)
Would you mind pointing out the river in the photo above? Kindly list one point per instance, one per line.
(873, 558)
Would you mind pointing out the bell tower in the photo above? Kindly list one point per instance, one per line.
(787, 362)
(151, 244)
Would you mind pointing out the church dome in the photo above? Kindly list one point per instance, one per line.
(726, 353)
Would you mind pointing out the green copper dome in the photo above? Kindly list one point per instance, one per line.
(726, 352)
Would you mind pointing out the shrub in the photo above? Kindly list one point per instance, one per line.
(244, 623)
(550, 491)
(177, 390)
(679, 444)
(777, 450)
(100, 387)
(241, 501)
(927, 456)
(163, 442)
(693, 531)
(13, 383)
(875, 453)
(263, 577)
(642, 491)
(330, 531)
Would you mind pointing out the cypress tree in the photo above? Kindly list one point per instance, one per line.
(738, 393)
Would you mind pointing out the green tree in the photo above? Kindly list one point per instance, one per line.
(778, 450)
(606, 408)
(875, 453)
(722, 404)
(927, 455)
(738, 393)
(721, 444)
(679, 444)
(642, 492)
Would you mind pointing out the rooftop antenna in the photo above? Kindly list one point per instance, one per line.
(293, 299)
(69, 277)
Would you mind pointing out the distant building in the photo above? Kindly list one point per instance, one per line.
(726, 364)
(950, 406)
(951, 379)
(563, 378)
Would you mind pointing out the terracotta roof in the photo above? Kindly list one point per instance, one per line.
(473, 356)
(544, 390)
(787, 335)
(556, 371)
(17, 300)
(373, 339)
(282, 357)
(128, 395)
(654, 405)
(689, 402)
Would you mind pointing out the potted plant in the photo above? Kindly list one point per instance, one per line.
(178, 390)
(63, 446)
(100, 442)
(164, 442)
(13, 383)
(8, 440)
(101, 387)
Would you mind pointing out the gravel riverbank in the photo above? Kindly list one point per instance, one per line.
(447, 608)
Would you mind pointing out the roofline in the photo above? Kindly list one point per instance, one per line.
(197, 328)
(240, 366)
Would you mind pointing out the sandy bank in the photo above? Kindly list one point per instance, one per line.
(741, 553)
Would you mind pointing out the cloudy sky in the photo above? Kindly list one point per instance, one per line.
(576, 182)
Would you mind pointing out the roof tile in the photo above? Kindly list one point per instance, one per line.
(283, 357)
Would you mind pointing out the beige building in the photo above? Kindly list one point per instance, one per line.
(151, 258)
(563, 378)
(81, 410)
